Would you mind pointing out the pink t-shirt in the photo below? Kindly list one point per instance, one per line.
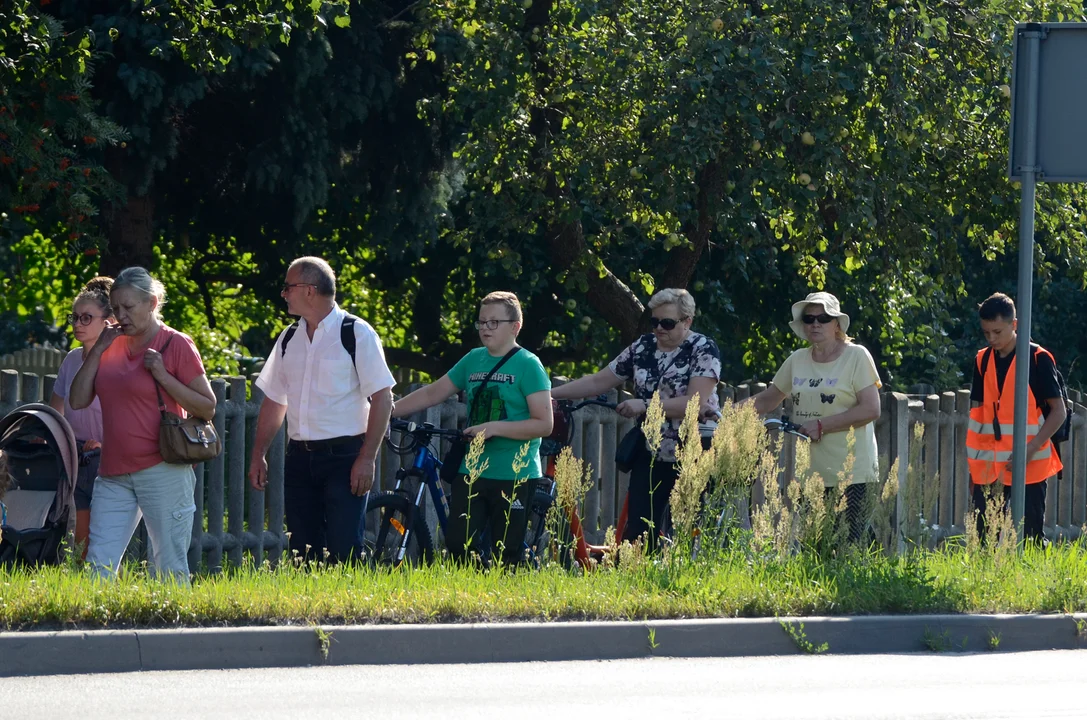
(130, 407)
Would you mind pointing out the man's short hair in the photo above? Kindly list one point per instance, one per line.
(997, 305)
(505, 299)
(318, 272)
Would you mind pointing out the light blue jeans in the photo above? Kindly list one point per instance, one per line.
(163, 496)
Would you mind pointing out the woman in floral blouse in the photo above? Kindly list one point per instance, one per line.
(680, 364)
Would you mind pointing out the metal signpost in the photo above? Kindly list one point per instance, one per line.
(1048, 143)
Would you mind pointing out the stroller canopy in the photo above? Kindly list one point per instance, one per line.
(34, 421)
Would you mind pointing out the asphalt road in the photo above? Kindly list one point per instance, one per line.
(990, 686)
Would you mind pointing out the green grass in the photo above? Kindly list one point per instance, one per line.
(734, 585)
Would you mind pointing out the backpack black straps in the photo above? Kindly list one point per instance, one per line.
(347, 336)
(287, 338)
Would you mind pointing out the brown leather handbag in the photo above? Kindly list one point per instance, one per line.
(185, 441)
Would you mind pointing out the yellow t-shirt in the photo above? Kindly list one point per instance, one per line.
(819, 390)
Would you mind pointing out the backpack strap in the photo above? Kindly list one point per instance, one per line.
(287, 338)
(347, 335)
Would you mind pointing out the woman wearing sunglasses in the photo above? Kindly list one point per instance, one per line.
(678, 362)
(834, 387)
(91, 312)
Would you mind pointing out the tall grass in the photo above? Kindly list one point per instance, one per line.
(787, 556)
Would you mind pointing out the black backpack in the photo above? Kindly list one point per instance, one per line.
(1065, 430)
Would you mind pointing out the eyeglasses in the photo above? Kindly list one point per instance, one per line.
(490, 324)
(287, 286)
(666, 323)
(84, 319)
(823, 319)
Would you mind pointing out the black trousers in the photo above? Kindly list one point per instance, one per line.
(488, 519)
(648, 497)
(1033, 508)
(856, 509)
(322, 512)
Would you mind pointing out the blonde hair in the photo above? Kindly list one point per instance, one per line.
(505, 299)
(674, 296)
(139, 279)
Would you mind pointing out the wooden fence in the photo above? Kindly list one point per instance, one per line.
(242, 521)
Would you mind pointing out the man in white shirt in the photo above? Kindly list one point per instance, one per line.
(329, 403)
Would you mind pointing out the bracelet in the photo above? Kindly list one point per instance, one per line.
(819, 424)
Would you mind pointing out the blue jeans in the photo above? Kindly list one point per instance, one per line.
(322, 513)
(163, 495)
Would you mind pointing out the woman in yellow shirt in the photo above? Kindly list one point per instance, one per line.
(834, 387)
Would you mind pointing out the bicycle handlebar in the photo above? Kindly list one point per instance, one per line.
(786, 426)
(568, 406)
(418, 434)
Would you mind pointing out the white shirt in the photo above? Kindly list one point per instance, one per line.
(325, 396)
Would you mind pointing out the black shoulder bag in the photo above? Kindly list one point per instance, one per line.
(459, 447)
(633, 443)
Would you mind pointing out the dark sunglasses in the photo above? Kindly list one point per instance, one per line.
(666, 323)
(287, 286)
(823, 319)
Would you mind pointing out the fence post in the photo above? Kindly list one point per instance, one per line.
(931, 444)
(30, 392)
(213, 538)
(1079, 467)
(275, 538)
(234, 414)
(9, 391)
(48, 383)
(962, 468)
(591, 455)
(896, 407)
(948, 440)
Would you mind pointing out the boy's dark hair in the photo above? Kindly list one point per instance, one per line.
(997, 305)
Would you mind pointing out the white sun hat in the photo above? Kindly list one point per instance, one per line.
(831, 307)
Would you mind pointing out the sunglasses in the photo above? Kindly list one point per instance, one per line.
(666, 323)
(287, 286)
(84, 319)
(823, 319)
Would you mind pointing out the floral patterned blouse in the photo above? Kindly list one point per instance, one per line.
(698, 356)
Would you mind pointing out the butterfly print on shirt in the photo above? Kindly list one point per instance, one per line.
(823, 397)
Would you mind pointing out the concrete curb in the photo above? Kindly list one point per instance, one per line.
(69, 652)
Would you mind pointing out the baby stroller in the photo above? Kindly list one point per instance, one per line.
(43, 459)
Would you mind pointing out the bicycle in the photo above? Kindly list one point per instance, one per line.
(572, 533)
(395, 524)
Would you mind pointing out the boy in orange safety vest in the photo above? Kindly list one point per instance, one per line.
(992, 395)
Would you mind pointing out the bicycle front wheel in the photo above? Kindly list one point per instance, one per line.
(395, 533)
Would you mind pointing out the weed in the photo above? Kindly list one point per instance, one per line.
(1081, 628)
(324, 640)
(940, 642)
(994, 641)
(653, 644)
(800, 638)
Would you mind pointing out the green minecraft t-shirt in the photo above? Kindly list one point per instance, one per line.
(504, 398)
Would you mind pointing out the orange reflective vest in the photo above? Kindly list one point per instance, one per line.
(988, 456)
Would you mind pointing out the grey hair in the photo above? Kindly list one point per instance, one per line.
(674, 296)
(141, 280)
(315, 270)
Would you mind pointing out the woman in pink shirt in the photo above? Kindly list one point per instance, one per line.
(122, 371)
(91, 312)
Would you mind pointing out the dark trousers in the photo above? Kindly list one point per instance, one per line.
(492, 520)
(856, 509)
(647, 499)
(1033, 508)
(322, 513)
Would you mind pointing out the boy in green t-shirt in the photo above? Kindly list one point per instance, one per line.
(511, 407)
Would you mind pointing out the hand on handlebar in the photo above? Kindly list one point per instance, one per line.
(812, 429)
(632, 408)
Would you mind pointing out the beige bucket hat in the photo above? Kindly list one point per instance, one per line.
(830, 305)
